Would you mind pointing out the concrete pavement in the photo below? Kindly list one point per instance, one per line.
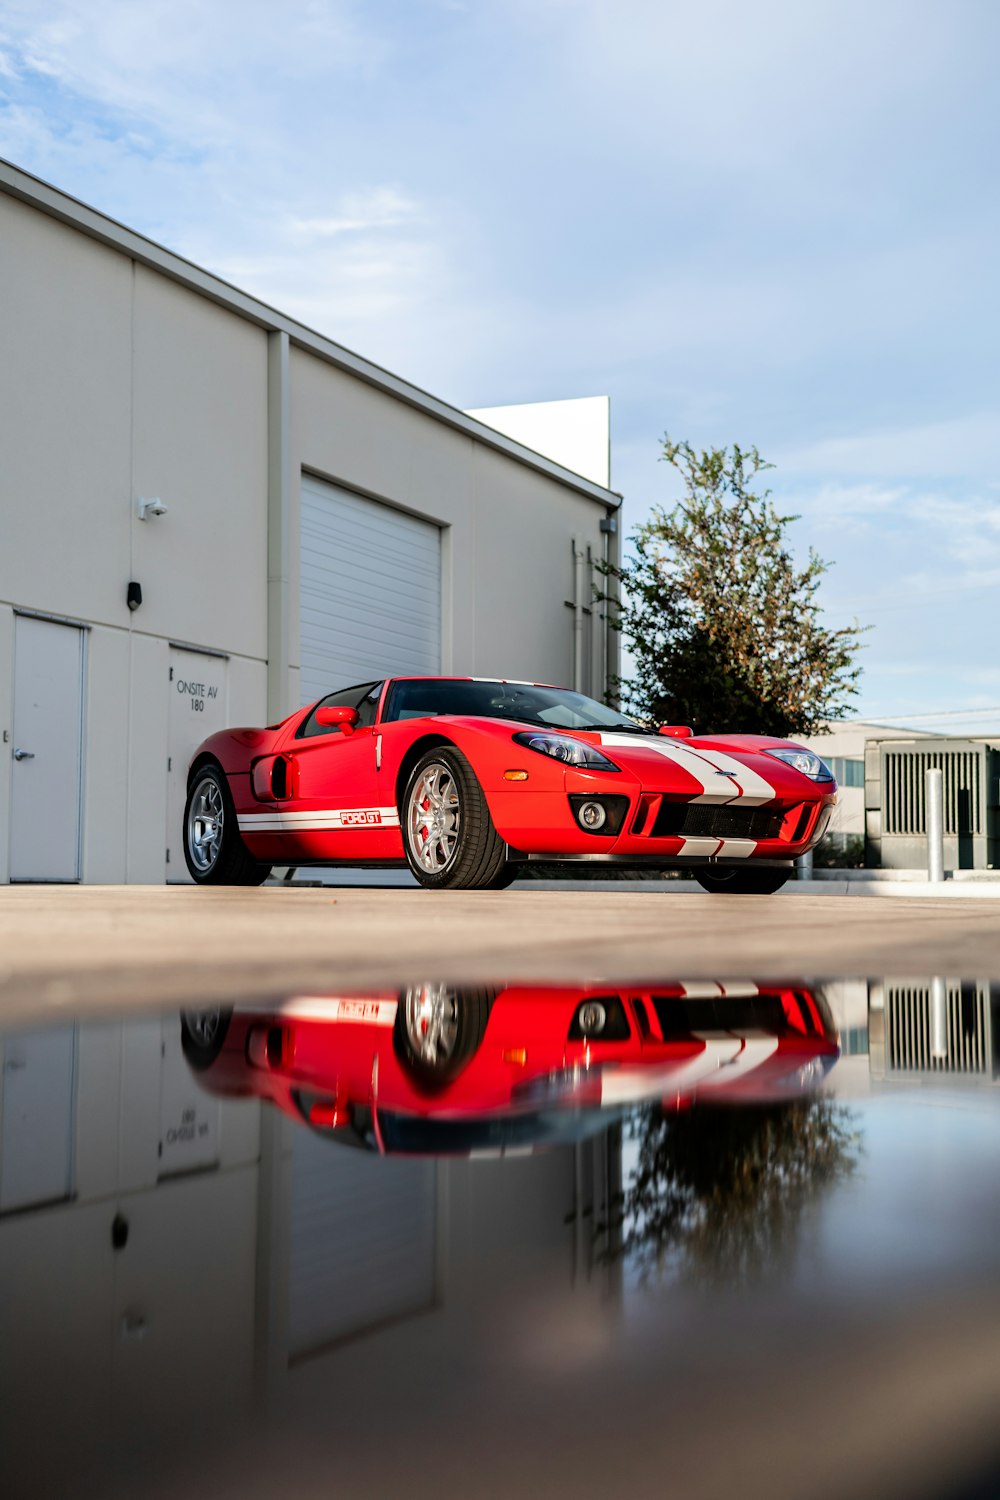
(123, 948)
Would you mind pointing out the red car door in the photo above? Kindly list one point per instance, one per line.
(336, 807)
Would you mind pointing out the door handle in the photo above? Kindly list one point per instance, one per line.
(24, 754)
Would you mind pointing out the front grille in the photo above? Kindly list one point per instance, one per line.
(680, 1016)
(700, 819)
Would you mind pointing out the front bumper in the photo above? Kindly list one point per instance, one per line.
(660, 827)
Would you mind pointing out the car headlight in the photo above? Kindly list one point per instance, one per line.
(806, 1078)
(571, 752)
(805, 762)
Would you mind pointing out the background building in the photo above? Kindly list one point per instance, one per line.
(295, 518)
(842, 746)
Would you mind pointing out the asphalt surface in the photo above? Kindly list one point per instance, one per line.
(114, 949)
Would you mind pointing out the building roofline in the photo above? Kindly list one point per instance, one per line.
(22, 185)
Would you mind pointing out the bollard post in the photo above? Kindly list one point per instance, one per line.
(804, 866)
(939, 1017)
(934, 786)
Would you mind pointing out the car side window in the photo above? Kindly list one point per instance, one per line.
(364, 697)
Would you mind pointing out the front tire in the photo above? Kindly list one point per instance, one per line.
(438, 1030)
(213, 850)
(448, 834)
(762, 880)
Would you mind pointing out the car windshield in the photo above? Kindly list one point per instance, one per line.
(555, 708)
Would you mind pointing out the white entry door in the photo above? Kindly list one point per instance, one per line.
(198, 707)
(47, 750)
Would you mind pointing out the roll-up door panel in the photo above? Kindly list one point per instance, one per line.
(370, 590)
(363, 1236)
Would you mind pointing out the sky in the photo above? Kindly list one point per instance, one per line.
(758, 221)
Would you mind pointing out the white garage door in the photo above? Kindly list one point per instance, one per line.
(370, 590)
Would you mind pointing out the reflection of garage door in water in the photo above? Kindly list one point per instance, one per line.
(370, 590)
(198, 707)
(363, 1241)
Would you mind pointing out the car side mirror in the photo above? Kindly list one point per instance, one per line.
(677, 731)
(341, 718)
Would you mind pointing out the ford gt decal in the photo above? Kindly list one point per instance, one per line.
(319, 818)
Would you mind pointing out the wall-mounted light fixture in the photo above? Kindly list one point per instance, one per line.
(133, 595)
(147, 508)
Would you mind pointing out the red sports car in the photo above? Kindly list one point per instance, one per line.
(439, 1070)
(466, 779)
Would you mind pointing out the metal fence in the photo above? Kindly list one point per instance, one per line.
(896, 806)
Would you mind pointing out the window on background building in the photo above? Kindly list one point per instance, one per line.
(848, 771)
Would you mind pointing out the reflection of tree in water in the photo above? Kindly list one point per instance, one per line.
(719, 1193)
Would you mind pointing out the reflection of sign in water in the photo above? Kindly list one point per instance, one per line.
(190, 1129)
(189, 1120)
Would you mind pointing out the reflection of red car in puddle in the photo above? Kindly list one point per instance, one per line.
(438, 1069)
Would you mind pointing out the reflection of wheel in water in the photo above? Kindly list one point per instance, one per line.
(762, 880)
(438, 1030)
(203, 1033)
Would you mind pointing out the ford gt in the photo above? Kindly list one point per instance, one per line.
(467, 780)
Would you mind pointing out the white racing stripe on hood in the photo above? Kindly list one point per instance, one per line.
(705, 766)
(724, 1060)
(756, 1050)
(623, 1085)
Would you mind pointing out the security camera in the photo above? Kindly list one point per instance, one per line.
(147, 508)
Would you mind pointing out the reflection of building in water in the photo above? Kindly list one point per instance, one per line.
(940, 1027)
(164, 1253)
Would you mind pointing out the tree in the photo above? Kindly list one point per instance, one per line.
(724, 627)
(722, 1194)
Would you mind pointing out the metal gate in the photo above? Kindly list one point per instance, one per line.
(895, 802)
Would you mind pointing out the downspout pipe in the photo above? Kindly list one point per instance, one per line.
(279, 562)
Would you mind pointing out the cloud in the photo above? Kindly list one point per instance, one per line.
(378, 208)
(956, 446)
(204, 73)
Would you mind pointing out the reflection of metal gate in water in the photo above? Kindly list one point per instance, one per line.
(958, 1042)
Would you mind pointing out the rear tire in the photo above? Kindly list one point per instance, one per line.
(213, 850)
(762, 881)
(203, 1035)
(448, 834)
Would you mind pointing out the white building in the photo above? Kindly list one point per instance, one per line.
(294, 518)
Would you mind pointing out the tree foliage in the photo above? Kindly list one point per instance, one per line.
(720, 1194)
(723, 625)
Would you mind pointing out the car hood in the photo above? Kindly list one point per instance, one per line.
(720, 769)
